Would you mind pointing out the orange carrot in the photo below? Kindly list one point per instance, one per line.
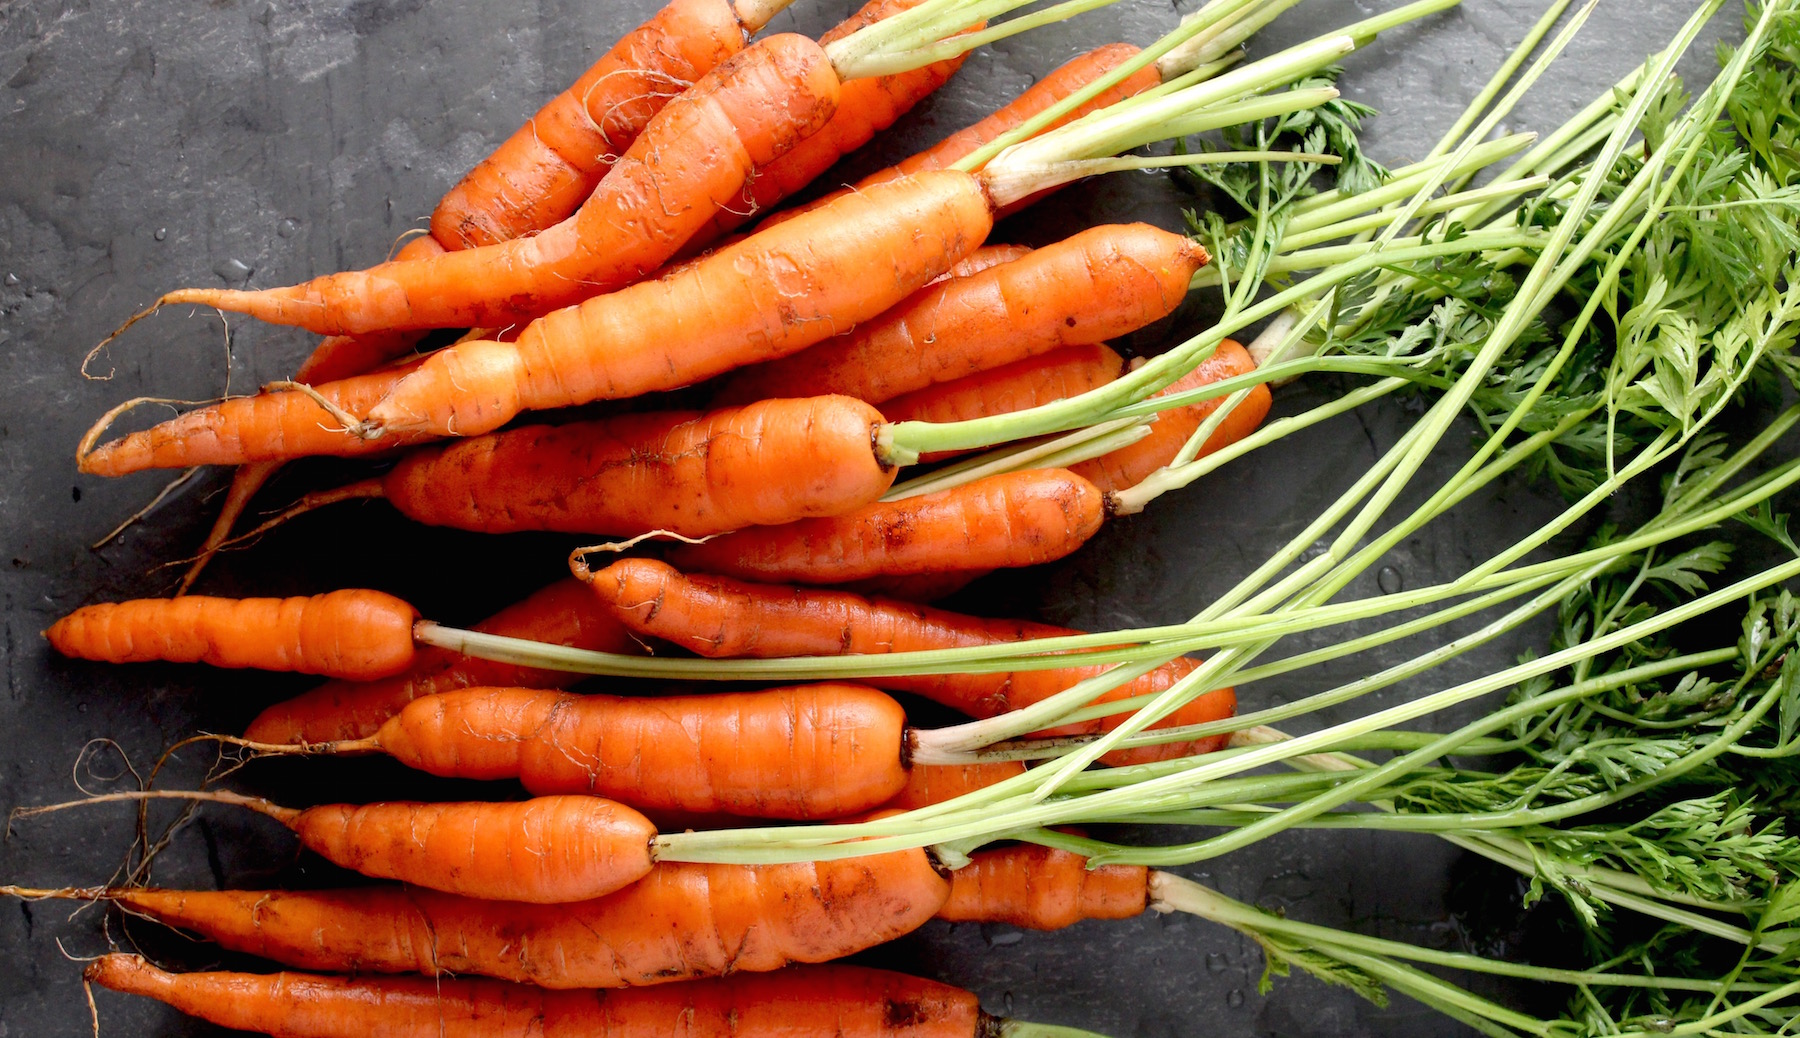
(677, 923)
(1095, 285)
(1040, 379)
(1012, 519)
(1071, 76)
(1038, 888)
(771, 294)
(354, 634)
(684, 472)
(833, 1001)
(1127, 466)
(720, 618)
(928, 784)
(548, 850)
(565, 613)
(808, 751)
(691, 158)
(543, 172)
(261, 427)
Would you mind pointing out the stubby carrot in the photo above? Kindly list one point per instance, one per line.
(691, 158)
(565, 613)
(1038, 888)
(801, 752)
(354, 634)
(547, 850)
(1127, 466)
(684, 472)
(680, 922)
(1092, 286)
(721, 618)
(1012, 519)
(833, 1001)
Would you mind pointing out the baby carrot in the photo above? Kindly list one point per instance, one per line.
(811, 751)
(679, 922)
(565, 613)
(1011, 519)
(547, 850)
(1092, 286)
(720, 618)
(830, 1001)
(354, 634)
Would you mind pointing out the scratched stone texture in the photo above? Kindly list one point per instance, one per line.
(146, 145)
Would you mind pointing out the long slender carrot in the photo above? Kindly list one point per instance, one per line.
(1012, 519)
(721, 618)
(1038, 888)
(684, 472)
(680, 922)
(545, 170)
(833, 1001)
(547, 850)
(565, 613)
(354, 634)
(1092, 286)
(691, 158)
(806, 751)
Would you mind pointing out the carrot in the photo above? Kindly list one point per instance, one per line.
(1012, 519)
(1127, 466)
(810, 751)
(720, 618)
(547, 850)
(928, 784)
(354, 634)
(679, 922)
(833, 1001)
(684, 472)
(691, 158)
(565, 613)
(1035, 380)
(1090, 287)
(262, 427)
(771, 294)
(545, 170)
(1038, 888)
(1068, 77)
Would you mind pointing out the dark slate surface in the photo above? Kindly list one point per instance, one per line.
(146, 145)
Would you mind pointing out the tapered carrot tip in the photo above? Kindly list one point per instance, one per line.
(466, 390)
(129, 974)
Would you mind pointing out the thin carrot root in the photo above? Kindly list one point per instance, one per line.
(161, 495)
(367, 488)
(104, 343)
(217, 796)
(245, 482)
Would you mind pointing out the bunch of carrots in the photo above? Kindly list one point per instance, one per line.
(630, 239)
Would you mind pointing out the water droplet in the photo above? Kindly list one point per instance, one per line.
(1006, 1003)
(288, 227)
(11, 280)
(1389, 580)
(1001, 936)
(1235, 997)
(233, 271)
(161, 233)
(81, 708)
(1217, 962)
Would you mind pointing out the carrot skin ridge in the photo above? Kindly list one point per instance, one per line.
(1095, 285)
(691, 158)
(680, 922)
(1011, 519)
(845, 1002)
(565, 613)
(719, 618)
(355, 634)
(800, 752)
(771, 294)
(546, 850)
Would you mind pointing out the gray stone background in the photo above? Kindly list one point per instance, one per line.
(150, 144)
